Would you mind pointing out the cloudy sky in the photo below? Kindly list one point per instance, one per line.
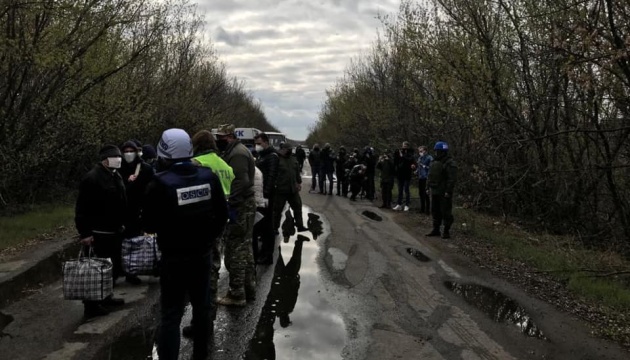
(290, 51)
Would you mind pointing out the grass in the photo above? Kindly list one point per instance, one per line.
(17, 229)
(582, 270)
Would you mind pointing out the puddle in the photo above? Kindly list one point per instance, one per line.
(372, 215)
(4, 321)
(499, 307)
(135, 344)
(418, 255)
(296, 321)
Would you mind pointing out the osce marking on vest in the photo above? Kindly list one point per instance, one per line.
(193, 194)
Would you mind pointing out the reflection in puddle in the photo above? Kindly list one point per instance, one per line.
(418, 255)
(137, 343)
(372, 215)
(499, 307)
(307, 326)
(4, 321)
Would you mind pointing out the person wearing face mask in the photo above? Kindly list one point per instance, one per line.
(148, 155)
(100, 216)
(403, 160)
(136, 175)
(239, 256)
(422, 170)
(315, 160)
(268, 164)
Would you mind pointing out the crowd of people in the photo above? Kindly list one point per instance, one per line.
(209, 195)
(355, 177)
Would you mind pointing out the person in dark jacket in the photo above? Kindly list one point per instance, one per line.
(440, 185)
(369, 160)
(350, 163)
(422, 170)
(327, 169)
(300, 155)
(386, 166)
(149, 155)
(186, 207)
(267, 162)
(288, 188)
(357, 180)
(100, 217)
(340, 170)
(403, 159)
(136, 175)
(314, 159)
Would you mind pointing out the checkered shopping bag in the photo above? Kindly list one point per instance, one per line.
(140, 255)
(87, 278)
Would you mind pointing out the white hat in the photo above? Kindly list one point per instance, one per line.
(175, 144)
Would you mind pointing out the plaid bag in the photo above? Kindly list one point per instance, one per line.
(140, 255)
(87, 278)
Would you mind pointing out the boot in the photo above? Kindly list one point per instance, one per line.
(446, 234)
(94, 309)
(434, 232)
(228, 300)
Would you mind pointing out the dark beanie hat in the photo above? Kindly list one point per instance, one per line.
(109, 151)
(148, 152)
(129, 144)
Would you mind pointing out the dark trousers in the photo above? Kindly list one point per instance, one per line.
(323, 175)
(341, 178)
(183, 276)
(264, 232)
(442, 211)
(369, 186)
(386, 193)
(295, 202)
(355, 187)
(315, 172)
(403, 187)
(425, 203)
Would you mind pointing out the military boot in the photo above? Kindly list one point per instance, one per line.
(446, 234)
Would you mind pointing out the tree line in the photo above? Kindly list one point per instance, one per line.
(76, 74)
(533, 97)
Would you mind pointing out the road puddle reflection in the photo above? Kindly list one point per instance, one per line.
(297, 322)
(372, 215)
(499, 307)
(418, 254)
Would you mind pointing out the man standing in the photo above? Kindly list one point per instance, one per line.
(300, 155)
(340, 170)
(239, 256)
(327, 169)
(186, 208)
(403, 159)
(440, 185)
(423, 163)
(369, 161)
(268, 164)
(100, 217)
(386, 166)
(314, 159)
(288, 188)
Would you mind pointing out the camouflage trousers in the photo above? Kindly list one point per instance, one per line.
(239, 257)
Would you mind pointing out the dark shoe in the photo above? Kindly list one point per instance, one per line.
(188, 331)
(265, 260)
(301, 228)
(94, 310)
(230, 301)
(434, 233)
(302, 238)
(446, 235)
(133, 279)
(112, 301)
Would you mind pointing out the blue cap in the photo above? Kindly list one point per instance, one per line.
(440, 145)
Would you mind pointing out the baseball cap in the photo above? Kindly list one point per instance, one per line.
(226, 129)
(175, 144)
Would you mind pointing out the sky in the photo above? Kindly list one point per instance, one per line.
(289, 52)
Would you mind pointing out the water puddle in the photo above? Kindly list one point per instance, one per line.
(296, 321)
(4, 321)
(418, 254)
(136, 344)
(372, 215)
(499, 307)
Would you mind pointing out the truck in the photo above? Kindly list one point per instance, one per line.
(245, 135)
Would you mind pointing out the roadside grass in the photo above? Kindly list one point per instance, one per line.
(14, 230)
(586, 272)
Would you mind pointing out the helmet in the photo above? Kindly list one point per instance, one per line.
(440, 145)
(175, 144)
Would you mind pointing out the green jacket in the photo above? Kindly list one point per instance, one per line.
(442, 176)
(388, 170)
(219, 167)
(288, 175)
(242, 162)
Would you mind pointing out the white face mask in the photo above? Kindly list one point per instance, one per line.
(259, 148)
(114, 162)
(139, 153)
(129, 156)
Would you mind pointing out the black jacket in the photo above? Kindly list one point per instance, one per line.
(101, 202)
(328, 160)
(403, 164)
(186, 216)
(268, 164)
(315, 158)
(135, 194)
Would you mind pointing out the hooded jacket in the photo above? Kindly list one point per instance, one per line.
(242, 162)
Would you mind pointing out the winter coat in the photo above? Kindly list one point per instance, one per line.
(288, 175)
(422, 166)
(442, 176)
(315, 158)
(135, 193)
(268, 164)
(403, 164)
(388, 171)
(242, 162)
(328, 160)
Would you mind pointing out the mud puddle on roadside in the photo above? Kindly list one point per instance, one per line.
(137, 343)
(497, 306)
(372, 215)
(418, 254)
(296, 321)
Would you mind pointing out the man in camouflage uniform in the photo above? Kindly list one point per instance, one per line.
(239, 257)
(440, 184)
(288, 186)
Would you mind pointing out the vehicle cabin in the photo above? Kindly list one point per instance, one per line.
(245, 135)
(275, 138)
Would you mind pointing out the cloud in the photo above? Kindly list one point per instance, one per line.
(289, 52)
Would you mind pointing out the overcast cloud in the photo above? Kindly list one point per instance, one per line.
(290, 51)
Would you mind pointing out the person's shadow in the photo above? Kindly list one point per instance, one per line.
(314, 225)
(280, 303)
(288, 226)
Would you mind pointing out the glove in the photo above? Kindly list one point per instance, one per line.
(232, 215)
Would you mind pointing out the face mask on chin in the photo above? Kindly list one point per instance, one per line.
(114, 162)
(129, 157)
(259, 148)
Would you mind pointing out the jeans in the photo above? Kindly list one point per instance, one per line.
(315, 175)
(182, 276)
(425, 203)
(403, 187)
